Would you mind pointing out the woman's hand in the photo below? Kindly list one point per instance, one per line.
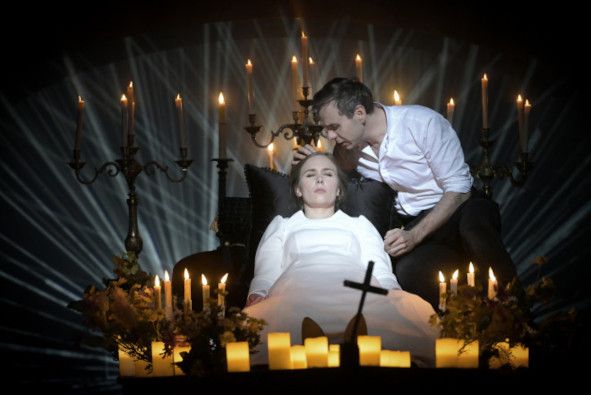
(254, 299)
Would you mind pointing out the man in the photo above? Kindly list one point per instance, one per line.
(441, 220)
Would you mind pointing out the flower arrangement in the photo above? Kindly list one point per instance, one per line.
(470, 316)
(123, 316)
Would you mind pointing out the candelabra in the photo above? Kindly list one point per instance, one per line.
(128, 165)
(304, 129)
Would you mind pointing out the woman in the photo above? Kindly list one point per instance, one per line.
(302, 261)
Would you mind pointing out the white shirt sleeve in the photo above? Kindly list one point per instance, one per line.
(443, 152)
(267, 262)
(372, 249)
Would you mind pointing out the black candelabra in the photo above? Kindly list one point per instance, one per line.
(127, 163)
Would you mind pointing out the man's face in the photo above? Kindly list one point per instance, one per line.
(349, 132)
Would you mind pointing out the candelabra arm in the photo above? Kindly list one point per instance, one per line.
(151, 167)
(110, 168)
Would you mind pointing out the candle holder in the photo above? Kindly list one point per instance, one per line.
(130, 168)
(304, 128)
(486, 172)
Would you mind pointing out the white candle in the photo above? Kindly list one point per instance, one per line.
(222, 126)
(188, 303)
(167, 296)
(451, 105)
(237, 357)
(313, 77)
(157, 293)
(316, 351)
(131, 113)
(222, 294)
(369, 350)
(79, 122)
(126, 363)
(484, 83)
(453, 283)
(181, 346)
(181, 117)
(249, 87)
(279, 350)
(205, 292)
(270, 149)
(161, 366)
(519, 104)
(295, 83)
(124, 121)
(468, 358)
(517, 356)
(298, 357)
(470, 275)
(359, 67)
(442, 291)
(447, 353)
(492, 284)
(334, 355)
(526, 111)
(395, 359)
(305, 56)
(396, 97)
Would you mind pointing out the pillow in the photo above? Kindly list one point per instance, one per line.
(270, 196)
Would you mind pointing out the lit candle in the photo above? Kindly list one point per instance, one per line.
(131, 113)
(270, 154)
(157, 293)
(442, 291)
(517, 356)
(222, 127)
(492, 284)
(181, 346)
(359, 67)
(187, 295)
(279, 350)
(179, 108)
(161, 366)
(126, 363)
(369, 350)
(316, 351)
(319, 146)
(453, 283)
(79, 123)
(526, 111)
(141, 368)
(249, 87)
(222, 294)
(484, 83)
(451, 105)
(237, 357)
(124, 120)
(470, 275)
(313, 78)
(447, 353)
(334, 355)
(167, 296)
(468, 358)
(519, 103)
(298, 357)
(295, 83)
(205, 292)
(395, 359)
(397, 99)
(305, 56)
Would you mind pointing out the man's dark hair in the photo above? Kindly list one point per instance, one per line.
(347, 94)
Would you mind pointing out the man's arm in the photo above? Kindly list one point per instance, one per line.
(398, 241)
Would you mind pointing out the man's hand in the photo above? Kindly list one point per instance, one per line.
(399, 242)
(254, 299)
(302, 153)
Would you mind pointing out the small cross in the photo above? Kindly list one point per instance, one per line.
(365, 287)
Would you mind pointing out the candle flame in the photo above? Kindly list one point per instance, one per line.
(491, 275)
(221, 99)
(166, 278)
(311, 61)
(396, 97)
(294, 59)
(156, 281)
(304, 35)
(270, 147)
(441, 278)
(471, 268)
(451, 102)
(80, 99)
(358, 58)
(223, 280)
(178, 97)
(248, 63)
(319, 145)
(527, 103)
(123, 99)
(186, 274)
(484, 77)
(519, 99)
(203, 280)
(456, 274)
(131, 84)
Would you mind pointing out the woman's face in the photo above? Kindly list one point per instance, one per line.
(319, 183)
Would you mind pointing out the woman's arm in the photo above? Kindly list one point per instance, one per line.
(267, 263)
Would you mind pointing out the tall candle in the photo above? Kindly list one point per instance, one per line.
(131, 113)
(526, 111)
(270, 149)
(470, 275)
(187, 294)
(157, 293)
(205, 292)
(316, 351)
(519, 104)
(305, 56)
(359, 67)
(451, 105)
(167, 296)
(222, 293)
(396, 97)
(492, 284)
(237, 357)
(161, 366)
(298, 357)
(222, 127)
(313, 77)
(124, 120)
(295, 83)
(79, 123)
(181, 116)
(442, 291)
(319, 146)
(484, 83)
(279, 349)
(369, 350)
(453, 283)
(249, 87)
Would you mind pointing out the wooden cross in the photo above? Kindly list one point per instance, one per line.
(365, 287)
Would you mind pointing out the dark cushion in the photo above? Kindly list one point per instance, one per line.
(270, 196)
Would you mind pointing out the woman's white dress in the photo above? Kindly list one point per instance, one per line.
(300, 266)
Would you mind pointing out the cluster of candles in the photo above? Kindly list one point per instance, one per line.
(492, 285)
(187, 300)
